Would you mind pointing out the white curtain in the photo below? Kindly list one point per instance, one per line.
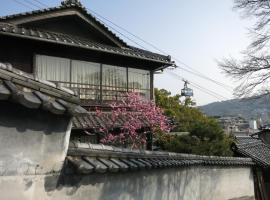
(139, 81)
(86, 77)
(53, 68)
(85, 72)
(114, 81)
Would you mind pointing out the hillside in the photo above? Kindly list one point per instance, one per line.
(252, 108)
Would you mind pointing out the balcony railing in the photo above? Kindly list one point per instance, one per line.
(91, 94)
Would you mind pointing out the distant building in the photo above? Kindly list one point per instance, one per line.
(237, 126)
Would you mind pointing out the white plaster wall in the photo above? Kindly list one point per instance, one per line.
(32, 141)
(195, 183)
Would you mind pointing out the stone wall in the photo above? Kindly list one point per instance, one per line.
(193, 183)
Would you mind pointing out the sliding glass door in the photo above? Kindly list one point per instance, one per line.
(114, 82)
(93, 81)
(85, 79)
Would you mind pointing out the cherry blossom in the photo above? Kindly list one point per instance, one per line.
(141, 117)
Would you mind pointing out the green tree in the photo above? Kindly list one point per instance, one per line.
(209, 139)
(180, 111)
(205, 137)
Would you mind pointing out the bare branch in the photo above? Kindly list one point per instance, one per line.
(254, 69)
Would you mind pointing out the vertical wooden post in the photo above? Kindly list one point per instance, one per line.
(100, 86)
(70, 74)
(149, 141)
(127, 80)
(152, 95)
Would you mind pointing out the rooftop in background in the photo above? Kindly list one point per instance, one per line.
(254, 148)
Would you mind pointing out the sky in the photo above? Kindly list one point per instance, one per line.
(194, 32)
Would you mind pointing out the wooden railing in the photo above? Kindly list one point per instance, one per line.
(91, 94)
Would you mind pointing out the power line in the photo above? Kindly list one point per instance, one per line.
(22, 4)
(205, 90)
(194, 84)
(153, 46)
(209, 92)
(41, 3)
(32, 4)
(194, 72)
(197, 73)
(121, 34)
(228, 88)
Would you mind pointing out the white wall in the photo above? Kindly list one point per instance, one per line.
(194, 183)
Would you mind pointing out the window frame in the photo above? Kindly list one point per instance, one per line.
(35, 72)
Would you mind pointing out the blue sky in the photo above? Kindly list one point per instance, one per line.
(196, 32)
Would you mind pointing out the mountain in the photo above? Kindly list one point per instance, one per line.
(246, 108)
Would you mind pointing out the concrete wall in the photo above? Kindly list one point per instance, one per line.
(31, 141)
(194, 183)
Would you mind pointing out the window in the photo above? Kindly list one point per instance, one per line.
(114, 82)
(139, 81)
(53, 69)
(85, 78)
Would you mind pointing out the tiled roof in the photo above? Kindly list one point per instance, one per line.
(6, 27)
(88, 158)
(247, 139)
(25, 89)
(64, 5)
(255, 149)
(95, 122)
(70, 40)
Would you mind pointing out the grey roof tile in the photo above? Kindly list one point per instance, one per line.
(95, 122)
(81, 166)
(64, 5)
(99, 167)
(246, 139)
(112, 167)
(255, 149)
(122, 166)
(130, 164)
(60, 38)
(24, 89)
(119, 160)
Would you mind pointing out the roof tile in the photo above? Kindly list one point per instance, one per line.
(96, 122)
(255, 149)
(71, 40)
(113, 159)
(24, 89)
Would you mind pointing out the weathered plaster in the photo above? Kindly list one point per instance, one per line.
(32, 141)
(33, 146)
(195, 183)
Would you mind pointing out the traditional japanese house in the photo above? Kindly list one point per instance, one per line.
(44, 50)
(69, 46)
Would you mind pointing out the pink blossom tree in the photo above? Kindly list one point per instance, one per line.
(140, 117)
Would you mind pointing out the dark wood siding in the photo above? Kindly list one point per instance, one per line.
(17, 52)
(71, 25)
(20, 53)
